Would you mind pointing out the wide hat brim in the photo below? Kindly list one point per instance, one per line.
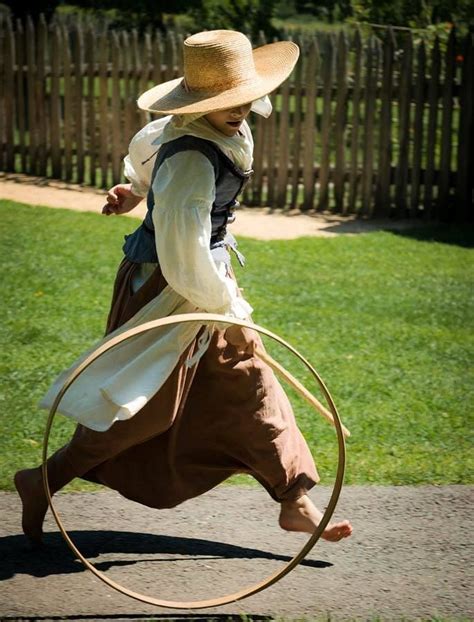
(273, 64)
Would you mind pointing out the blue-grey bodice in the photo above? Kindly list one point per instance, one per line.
(140, 246)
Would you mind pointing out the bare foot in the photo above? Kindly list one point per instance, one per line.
(29, 484)
(303, 515)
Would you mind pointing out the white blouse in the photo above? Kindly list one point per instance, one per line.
(184, 192)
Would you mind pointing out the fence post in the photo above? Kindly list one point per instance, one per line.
(327, 71)
(129, 104)
(296, 136)
(31, 75)
(382, 191)
(418, 130)
(20, 91)
(145, 71)
(354, 174)
(170, 56)
(91, 42)
(79, 100)
(340, 204)
(312, 67)
(2, 96)
(41, 96)
(433, 94)
(157, 58)
(9, 95)
(55, 107)
(369, 105)
(271, 124)
(404, 101)
(103, 109)
(283, 146)
(115, 110)
(442, 203)
(465, 156)
(68, 106)
(257, 181)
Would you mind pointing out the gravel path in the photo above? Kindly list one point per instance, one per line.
(259, 223)
(410, 557)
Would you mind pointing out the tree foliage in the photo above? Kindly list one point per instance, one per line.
(416, 13)
(22, 8)
(249, 16)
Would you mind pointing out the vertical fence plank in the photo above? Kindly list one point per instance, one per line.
(257, 179)
(103, 109)
(382, 191)
(442, 203)
(115, 110)
(68, 106)
(135, 82)
(404, 102)
(90, 58)
(30, 81)
(20, 91)
(258, 163)
(170, 56)
(79, 99)
(369, 105)
(9, 95)
(327, 71)
(40, 95)
(312, 67)
(355, 123)
(465, 159)
(55, 102)
(119, 60)
(271, 152)
(415, 184)
(129, 100)
(283, 145)
(157, 58)
(296, 126)
(340, 204)
(179, 54)
(433, 94)
(3, 145)
(145, 74)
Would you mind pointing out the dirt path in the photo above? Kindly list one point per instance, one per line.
(410, 557)
(259, 223)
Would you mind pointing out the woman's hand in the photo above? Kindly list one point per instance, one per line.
(120, 200)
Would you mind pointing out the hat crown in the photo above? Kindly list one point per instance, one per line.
(217, 60)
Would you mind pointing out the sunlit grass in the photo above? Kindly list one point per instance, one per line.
(386, 319)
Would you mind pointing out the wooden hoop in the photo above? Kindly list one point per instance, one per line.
(203, 318)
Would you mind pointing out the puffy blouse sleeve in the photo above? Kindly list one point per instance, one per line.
(184, 191)
(138, 163)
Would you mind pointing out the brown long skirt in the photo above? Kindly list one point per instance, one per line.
(226, 415)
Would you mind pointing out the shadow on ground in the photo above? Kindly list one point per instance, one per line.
(55, 558)
(445, 233)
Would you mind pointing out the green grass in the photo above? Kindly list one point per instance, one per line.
(386, 319)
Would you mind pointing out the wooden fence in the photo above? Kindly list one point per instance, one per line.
(370, 127)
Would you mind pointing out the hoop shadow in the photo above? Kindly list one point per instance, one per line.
(54, 557)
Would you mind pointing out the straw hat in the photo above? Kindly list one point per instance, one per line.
(222, 71)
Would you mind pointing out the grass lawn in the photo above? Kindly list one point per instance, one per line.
(387, 320)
